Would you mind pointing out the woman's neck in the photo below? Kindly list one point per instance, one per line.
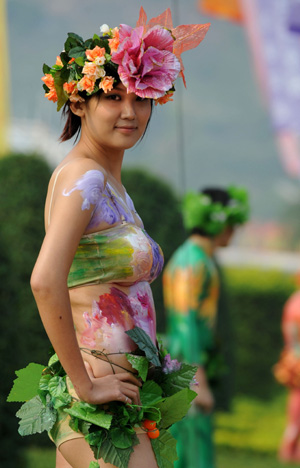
(111, 160)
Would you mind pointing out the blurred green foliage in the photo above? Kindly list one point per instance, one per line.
(23, 185)
(256, 298)
(158, 206)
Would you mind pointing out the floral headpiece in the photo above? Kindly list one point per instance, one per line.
(199, 211)
(146, 59)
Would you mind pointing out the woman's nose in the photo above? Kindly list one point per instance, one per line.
(128, 109)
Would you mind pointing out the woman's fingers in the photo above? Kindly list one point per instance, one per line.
(126, 376)
(132, 392)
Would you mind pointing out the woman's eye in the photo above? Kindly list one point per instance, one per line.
(114, 97)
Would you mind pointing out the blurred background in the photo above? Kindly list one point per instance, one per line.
(237, 122)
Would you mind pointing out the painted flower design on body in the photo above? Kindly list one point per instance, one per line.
(113, 314)
(147, 65)
(158, 258)
(91, 186)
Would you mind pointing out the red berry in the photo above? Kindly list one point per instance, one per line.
(153, 434)
(148, 424)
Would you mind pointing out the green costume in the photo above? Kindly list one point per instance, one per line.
(191, 290)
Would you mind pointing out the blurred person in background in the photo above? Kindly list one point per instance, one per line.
(287, 372)
(191, 292)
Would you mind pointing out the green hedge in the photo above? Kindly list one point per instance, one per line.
(256, 298)
(23, 185)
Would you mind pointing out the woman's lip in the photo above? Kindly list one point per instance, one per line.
(126, 129)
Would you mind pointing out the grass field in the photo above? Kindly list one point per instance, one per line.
(226, 458)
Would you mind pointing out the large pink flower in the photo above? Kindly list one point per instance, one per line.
(147, 65)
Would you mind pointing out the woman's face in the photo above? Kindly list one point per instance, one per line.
(116, 119)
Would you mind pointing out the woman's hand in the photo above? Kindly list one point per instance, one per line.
(204, 399)
(114, 387)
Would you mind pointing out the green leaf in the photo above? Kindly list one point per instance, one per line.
(35, 417)
(164, 448)
(153, 414)
(80, 61)
(63, 400)
(88, 43)
(140, 363)
(150, 393)
(176, 381)
(94, 464)
(175, 407)
(26, 385)
(46, 69)
(115, 456)
(95, 438)
(98, 417)
(61, 95)
(44, 381)
(76, 38)
(57, 386)
(121, 438)
(77, 52)
(145, 344)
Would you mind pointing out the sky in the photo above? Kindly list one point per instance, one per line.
(227, 135)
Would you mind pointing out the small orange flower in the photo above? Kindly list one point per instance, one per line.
(115, 41)
(164, 99)
(86, 84)
(58, 61)
(69, 87)
(52, 96)
(75, 97)
(107, 83)
(93, 54)
(71, 61)
(48, 80)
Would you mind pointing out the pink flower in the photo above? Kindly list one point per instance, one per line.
(170, 365)
(147, 65)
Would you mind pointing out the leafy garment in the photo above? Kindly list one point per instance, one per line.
(191, 290)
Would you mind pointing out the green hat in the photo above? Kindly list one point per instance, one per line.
(199, 211)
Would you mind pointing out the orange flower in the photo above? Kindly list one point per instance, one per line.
(72, 60)
(86, 84)
(115, 41)
(48, 80)
(75, 97)
(107, 83)
(164, 99)
(69, 87)
(58, 61)
(52, 96)
(96, 53)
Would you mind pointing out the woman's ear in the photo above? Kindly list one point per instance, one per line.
(78, 108)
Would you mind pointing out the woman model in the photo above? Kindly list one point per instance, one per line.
(91, 279)
(191, 292)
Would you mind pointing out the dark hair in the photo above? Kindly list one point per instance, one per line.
(216, 195)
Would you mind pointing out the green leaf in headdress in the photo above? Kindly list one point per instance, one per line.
(46, 69)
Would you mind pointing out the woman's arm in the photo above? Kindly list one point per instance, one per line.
(49, 286)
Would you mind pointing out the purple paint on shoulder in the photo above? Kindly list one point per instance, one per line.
(91, 187)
